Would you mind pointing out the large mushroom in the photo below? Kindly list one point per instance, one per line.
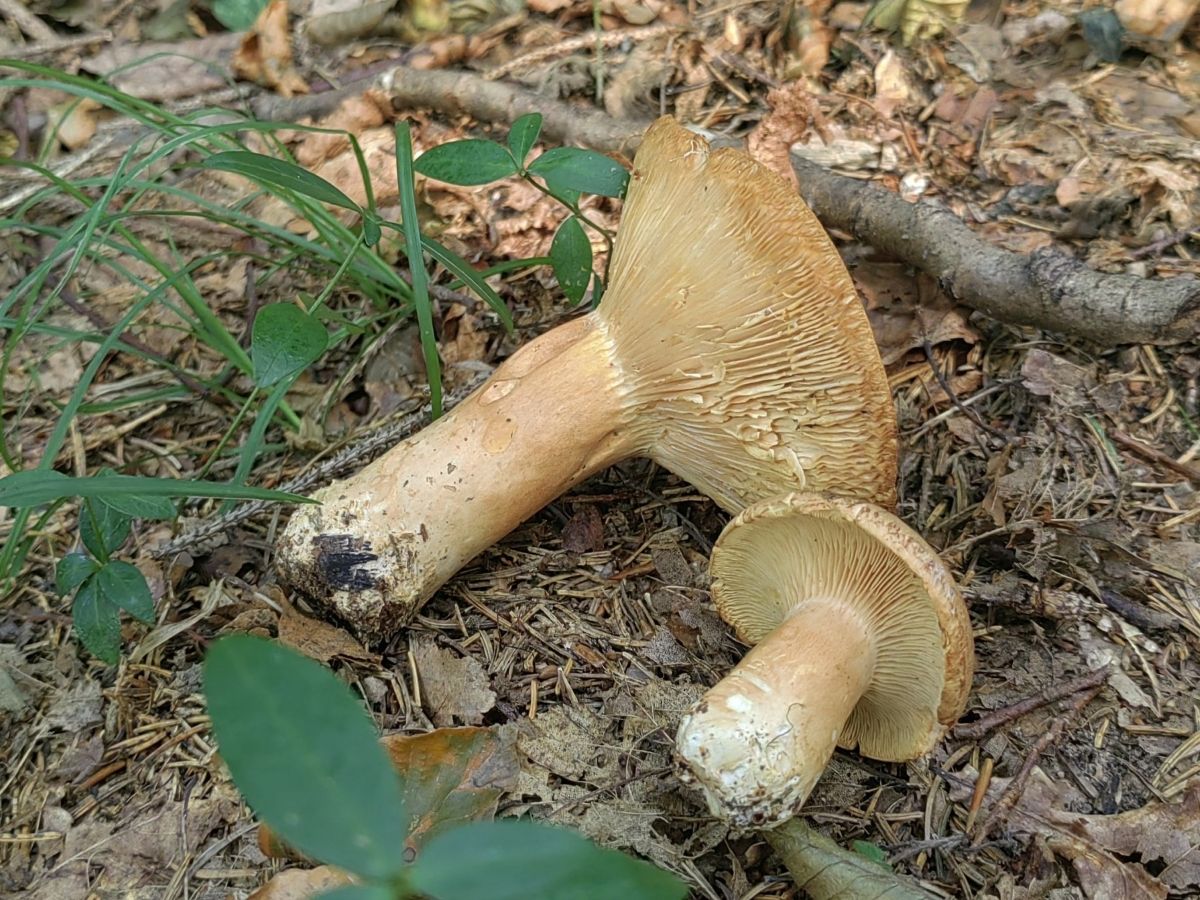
(861, 640)
(730, 347)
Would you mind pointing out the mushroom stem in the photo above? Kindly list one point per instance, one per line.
(552, 415)
(758, 741)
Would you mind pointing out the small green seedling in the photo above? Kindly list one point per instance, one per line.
(305, 756)
(103, 586)
(564, 173)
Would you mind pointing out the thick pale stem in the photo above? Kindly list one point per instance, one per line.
(759, 740)
(385, 540)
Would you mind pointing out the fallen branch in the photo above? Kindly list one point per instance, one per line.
(456, 92)
(1046, 289)
(1016, 787)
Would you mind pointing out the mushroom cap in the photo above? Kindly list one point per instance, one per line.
(782, 551)
(740, 333)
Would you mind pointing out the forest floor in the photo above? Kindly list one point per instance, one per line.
(1056, 477)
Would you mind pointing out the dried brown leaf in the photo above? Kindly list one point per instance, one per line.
(1111, 853)
(302, 884)
(1047, 375)
(321, 641)
(75, 122)
(453, 775)
(265, 54)
(127, 857)
(792, 109)
(584, 531)
(908, 310)
(166, 71)
(464, 338)
(453, 687)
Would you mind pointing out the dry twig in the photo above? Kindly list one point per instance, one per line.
(1046, 288)
(1016, 787)
(996, 718)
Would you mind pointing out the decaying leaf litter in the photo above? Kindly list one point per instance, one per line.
(1057, 476)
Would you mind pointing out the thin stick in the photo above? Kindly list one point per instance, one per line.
(974, 730)
(1016, 787)
(1154, 455)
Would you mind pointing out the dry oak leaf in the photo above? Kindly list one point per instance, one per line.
(265, 54)
(1111, 853)
(792, 110)
(302, 884)
(452, 687)
(453, 776)
(908, 310)
(321, 641)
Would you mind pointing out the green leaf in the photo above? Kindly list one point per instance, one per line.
(72, 570)
(564, 195)
(581, 170)
(103, 528)
(280, 174)
(411, 227)
(304, 754)
(571, 256)
(830, 872)
(97, 623)
(371, 230)
(513, 860)
(462, 270)
(872, 852)
(523, 135)
(285, 339)
(141, 507)
(469, 162)
(125, 586)
(358, 892)
(1103, 32)
(238, 15)
(35, 487)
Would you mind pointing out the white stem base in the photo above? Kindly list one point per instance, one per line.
(758, 741)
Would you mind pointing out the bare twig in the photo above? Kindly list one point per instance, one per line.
(19, 14)
(1045, 288)
(1016, 787)
(944, 384)
(466, 92)
(972, 730)
(1154, 455)
(571, 45)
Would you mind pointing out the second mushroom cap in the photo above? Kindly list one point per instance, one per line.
(862, 640)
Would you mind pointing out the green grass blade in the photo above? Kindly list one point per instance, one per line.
(416, 264)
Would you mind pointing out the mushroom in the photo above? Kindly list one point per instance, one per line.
(861, 640)
(731, 348)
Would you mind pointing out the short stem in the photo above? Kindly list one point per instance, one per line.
(759, 740)
(385, 540)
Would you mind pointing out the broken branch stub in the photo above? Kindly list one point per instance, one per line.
(1046, 288)
(731, 348)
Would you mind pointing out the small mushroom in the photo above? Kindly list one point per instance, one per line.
(861, 640)
(731, 348)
